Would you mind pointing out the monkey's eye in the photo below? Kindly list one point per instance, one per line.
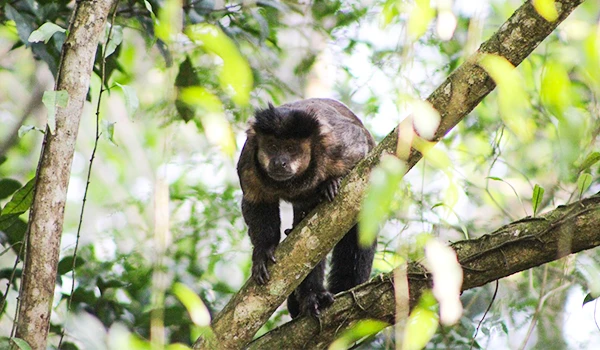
(289, 149)
(272, 147)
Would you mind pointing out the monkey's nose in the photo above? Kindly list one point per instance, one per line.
(280, 163)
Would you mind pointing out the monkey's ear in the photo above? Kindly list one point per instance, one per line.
(270, 104)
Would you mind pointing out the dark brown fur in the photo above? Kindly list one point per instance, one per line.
(299, 152)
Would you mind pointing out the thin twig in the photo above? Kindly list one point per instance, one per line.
(485, 314)
(12, 277)
(537, 310)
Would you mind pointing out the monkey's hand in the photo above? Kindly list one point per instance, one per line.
(314, 302)
(260, 258)
(330, 188)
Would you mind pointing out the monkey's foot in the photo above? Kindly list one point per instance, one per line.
(313, 303)
(260, 258)
(330, 188)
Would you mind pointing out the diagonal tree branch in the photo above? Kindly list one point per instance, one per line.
(312, 239)
(518, 246)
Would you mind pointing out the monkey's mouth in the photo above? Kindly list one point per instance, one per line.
(280, 175)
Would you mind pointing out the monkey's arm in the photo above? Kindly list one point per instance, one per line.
(264, 229)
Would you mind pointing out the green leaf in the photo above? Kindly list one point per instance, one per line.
(8, 220)
(536, 199)
(556, 88)
(186, 77)
(590, 271)
(8, 187)
(24, 129)
(13, 227)
(235, 76)
(216, 126)
(546, 9)
(389, 12)
(590, 160)
(131, 100)
(45, 32)
(66, 264)
(192, 302)
(116, 37)
(583, 183)
(24, 26)
(22, 344)
(21, 200)
(358, 331)
(377, 204)
(420, 328)
(51, 100)
(108, 131)
(419, 18)
(512, 98)
(495, 178)
(588, 298)
(169, 20)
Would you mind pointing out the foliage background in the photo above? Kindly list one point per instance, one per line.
(366, 54)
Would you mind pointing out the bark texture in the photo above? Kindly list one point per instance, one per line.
(518, 246)
(312, 239)
(54, 168)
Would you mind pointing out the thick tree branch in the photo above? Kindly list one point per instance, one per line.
(518, 246)
(54, 168)
(312, 239)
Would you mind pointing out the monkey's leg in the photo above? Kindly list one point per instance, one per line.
(311, 296)
(264, 227)
(350, 264)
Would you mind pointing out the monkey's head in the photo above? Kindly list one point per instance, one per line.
(284, 141)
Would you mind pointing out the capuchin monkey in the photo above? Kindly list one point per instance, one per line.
(299, 152)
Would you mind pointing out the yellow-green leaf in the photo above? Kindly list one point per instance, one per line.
(389, 12)
(583, 183)
(546, 9)
(556, 88)
(383, 187)
(194, 305)
(177, 346)
(512, 98)
(590, 160)
(360, 330)
(434, 156)
(536, 198)
(169, 20)
(420, 328)
(212, 116)
(235, 76)
(419, 18)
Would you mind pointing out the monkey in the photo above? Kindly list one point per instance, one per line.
(299, 152)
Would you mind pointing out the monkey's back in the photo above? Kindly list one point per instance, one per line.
(345, 139)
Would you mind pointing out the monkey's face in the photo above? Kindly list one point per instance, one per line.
(283, 159)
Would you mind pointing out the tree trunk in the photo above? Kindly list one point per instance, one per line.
(54, 168)
(316, 235)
